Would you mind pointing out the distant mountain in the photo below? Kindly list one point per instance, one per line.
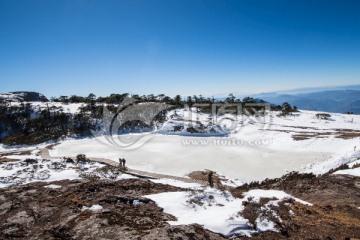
(22, 96)
(319, 89)
(328, 101)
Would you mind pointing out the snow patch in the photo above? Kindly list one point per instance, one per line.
(125, 176)
(93, 208)
(32, 170)
(337, 160)
(136, 202)
(353, 172)
(351, 165)
(53, 186)
(176, 183)
(217, 211)
(259, 193)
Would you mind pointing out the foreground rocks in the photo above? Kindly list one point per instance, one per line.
(334, 215)
(116, 210)
(35, 212)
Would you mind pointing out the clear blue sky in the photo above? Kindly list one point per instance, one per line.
(177, 46)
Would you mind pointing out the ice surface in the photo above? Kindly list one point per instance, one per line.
(275, 155)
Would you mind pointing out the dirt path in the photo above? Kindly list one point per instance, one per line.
(17, 152)
(45, 154)
(4, 158)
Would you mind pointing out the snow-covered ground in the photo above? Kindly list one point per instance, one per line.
(32, 168)
(20, 172)
(251, 153)
(67, 108)
(353, 172)
(13, 97)
(219, 211)
(177, 183)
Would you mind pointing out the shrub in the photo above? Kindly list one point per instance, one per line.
(323, 116)
(341, 167)
(89, 176)
(81, 158)
(108, 172)
(356, 165)
(210, 179)
(31, 161)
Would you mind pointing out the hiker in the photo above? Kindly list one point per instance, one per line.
(354, 148)
(124, 162)
(210, 180)
(120, 162)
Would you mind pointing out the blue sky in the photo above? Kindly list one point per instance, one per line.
(177, 47)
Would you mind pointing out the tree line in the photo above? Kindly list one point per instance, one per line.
(25, 123)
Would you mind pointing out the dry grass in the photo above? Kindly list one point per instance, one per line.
(320, 216)
(51, 146)
(338, 133)
(5, 160)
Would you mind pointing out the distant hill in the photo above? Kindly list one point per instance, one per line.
(330, 101)
(22, 96)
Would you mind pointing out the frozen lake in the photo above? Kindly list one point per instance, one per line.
(257, 155)
(175, 155)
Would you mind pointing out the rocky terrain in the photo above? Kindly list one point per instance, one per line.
(334, 215)
(22, 96)
(64, 211)
(97, 209)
